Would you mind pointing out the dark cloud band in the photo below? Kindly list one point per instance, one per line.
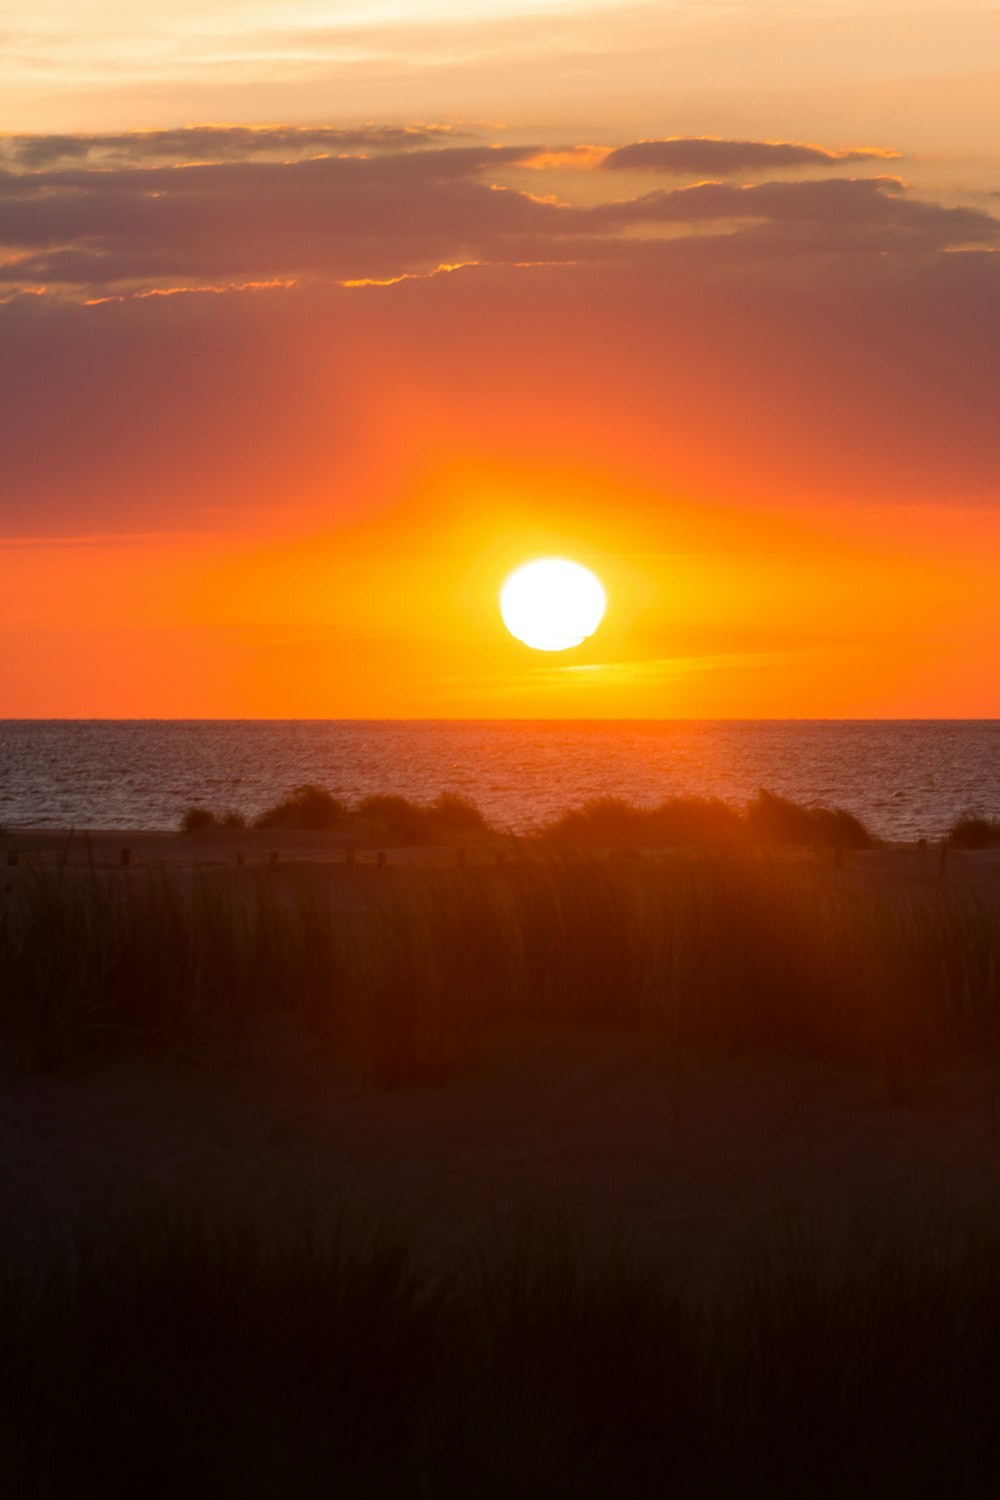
(375, 214)
(685, 156)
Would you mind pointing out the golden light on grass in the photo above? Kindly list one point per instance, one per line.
(552, 604)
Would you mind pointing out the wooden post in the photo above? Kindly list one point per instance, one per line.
(349, 855)
(381, 860)
(272, 859)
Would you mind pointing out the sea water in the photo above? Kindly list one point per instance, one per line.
(904, 778)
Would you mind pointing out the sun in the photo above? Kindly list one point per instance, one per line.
(552, 604)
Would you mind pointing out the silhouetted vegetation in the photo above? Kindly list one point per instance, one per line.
(610, 821)
(308, 807)
(411, 966)
(971, 832)
(399, 821)
(706, 822)
(771, 819)
(196, 819)
(389, 819)
(271, 1364)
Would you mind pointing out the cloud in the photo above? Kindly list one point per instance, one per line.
(876, 212)
(375, 216)
(685, 156)
(346, 217)
(210, 143)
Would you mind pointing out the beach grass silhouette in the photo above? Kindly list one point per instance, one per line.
(259, 1356)
(730, 946)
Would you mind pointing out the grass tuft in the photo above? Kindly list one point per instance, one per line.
(971, 832)
(308, 807)
(771, 819)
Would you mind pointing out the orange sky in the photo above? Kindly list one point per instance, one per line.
(288, 395)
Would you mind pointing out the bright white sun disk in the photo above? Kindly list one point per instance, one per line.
(552, 604)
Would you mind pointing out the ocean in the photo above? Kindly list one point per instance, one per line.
(905, 778)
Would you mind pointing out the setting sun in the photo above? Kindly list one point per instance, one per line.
(552, 604)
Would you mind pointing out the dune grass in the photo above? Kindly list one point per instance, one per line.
(196, 819)
(411, 966)
(268, 1362)
(398, 821)
(607, 821)
(697, 822)
(706, 822)
(307, 807)
(972, 832)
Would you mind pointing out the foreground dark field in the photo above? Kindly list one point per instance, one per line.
(174, 1359)
(690, 1163)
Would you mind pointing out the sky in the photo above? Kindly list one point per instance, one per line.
(317, 320)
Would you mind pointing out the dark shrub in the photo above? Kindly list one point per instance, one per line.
(232, 819)
(678, 820)
(196, 818)
(454, 811)
(970, 832)
(602, 821)
(771, 819)
(841, 829)
(696, 820)
(404, 822)
(309, 807)
(399, 819)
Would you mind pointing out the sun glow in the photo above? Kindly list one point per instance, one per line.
(552, 604)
